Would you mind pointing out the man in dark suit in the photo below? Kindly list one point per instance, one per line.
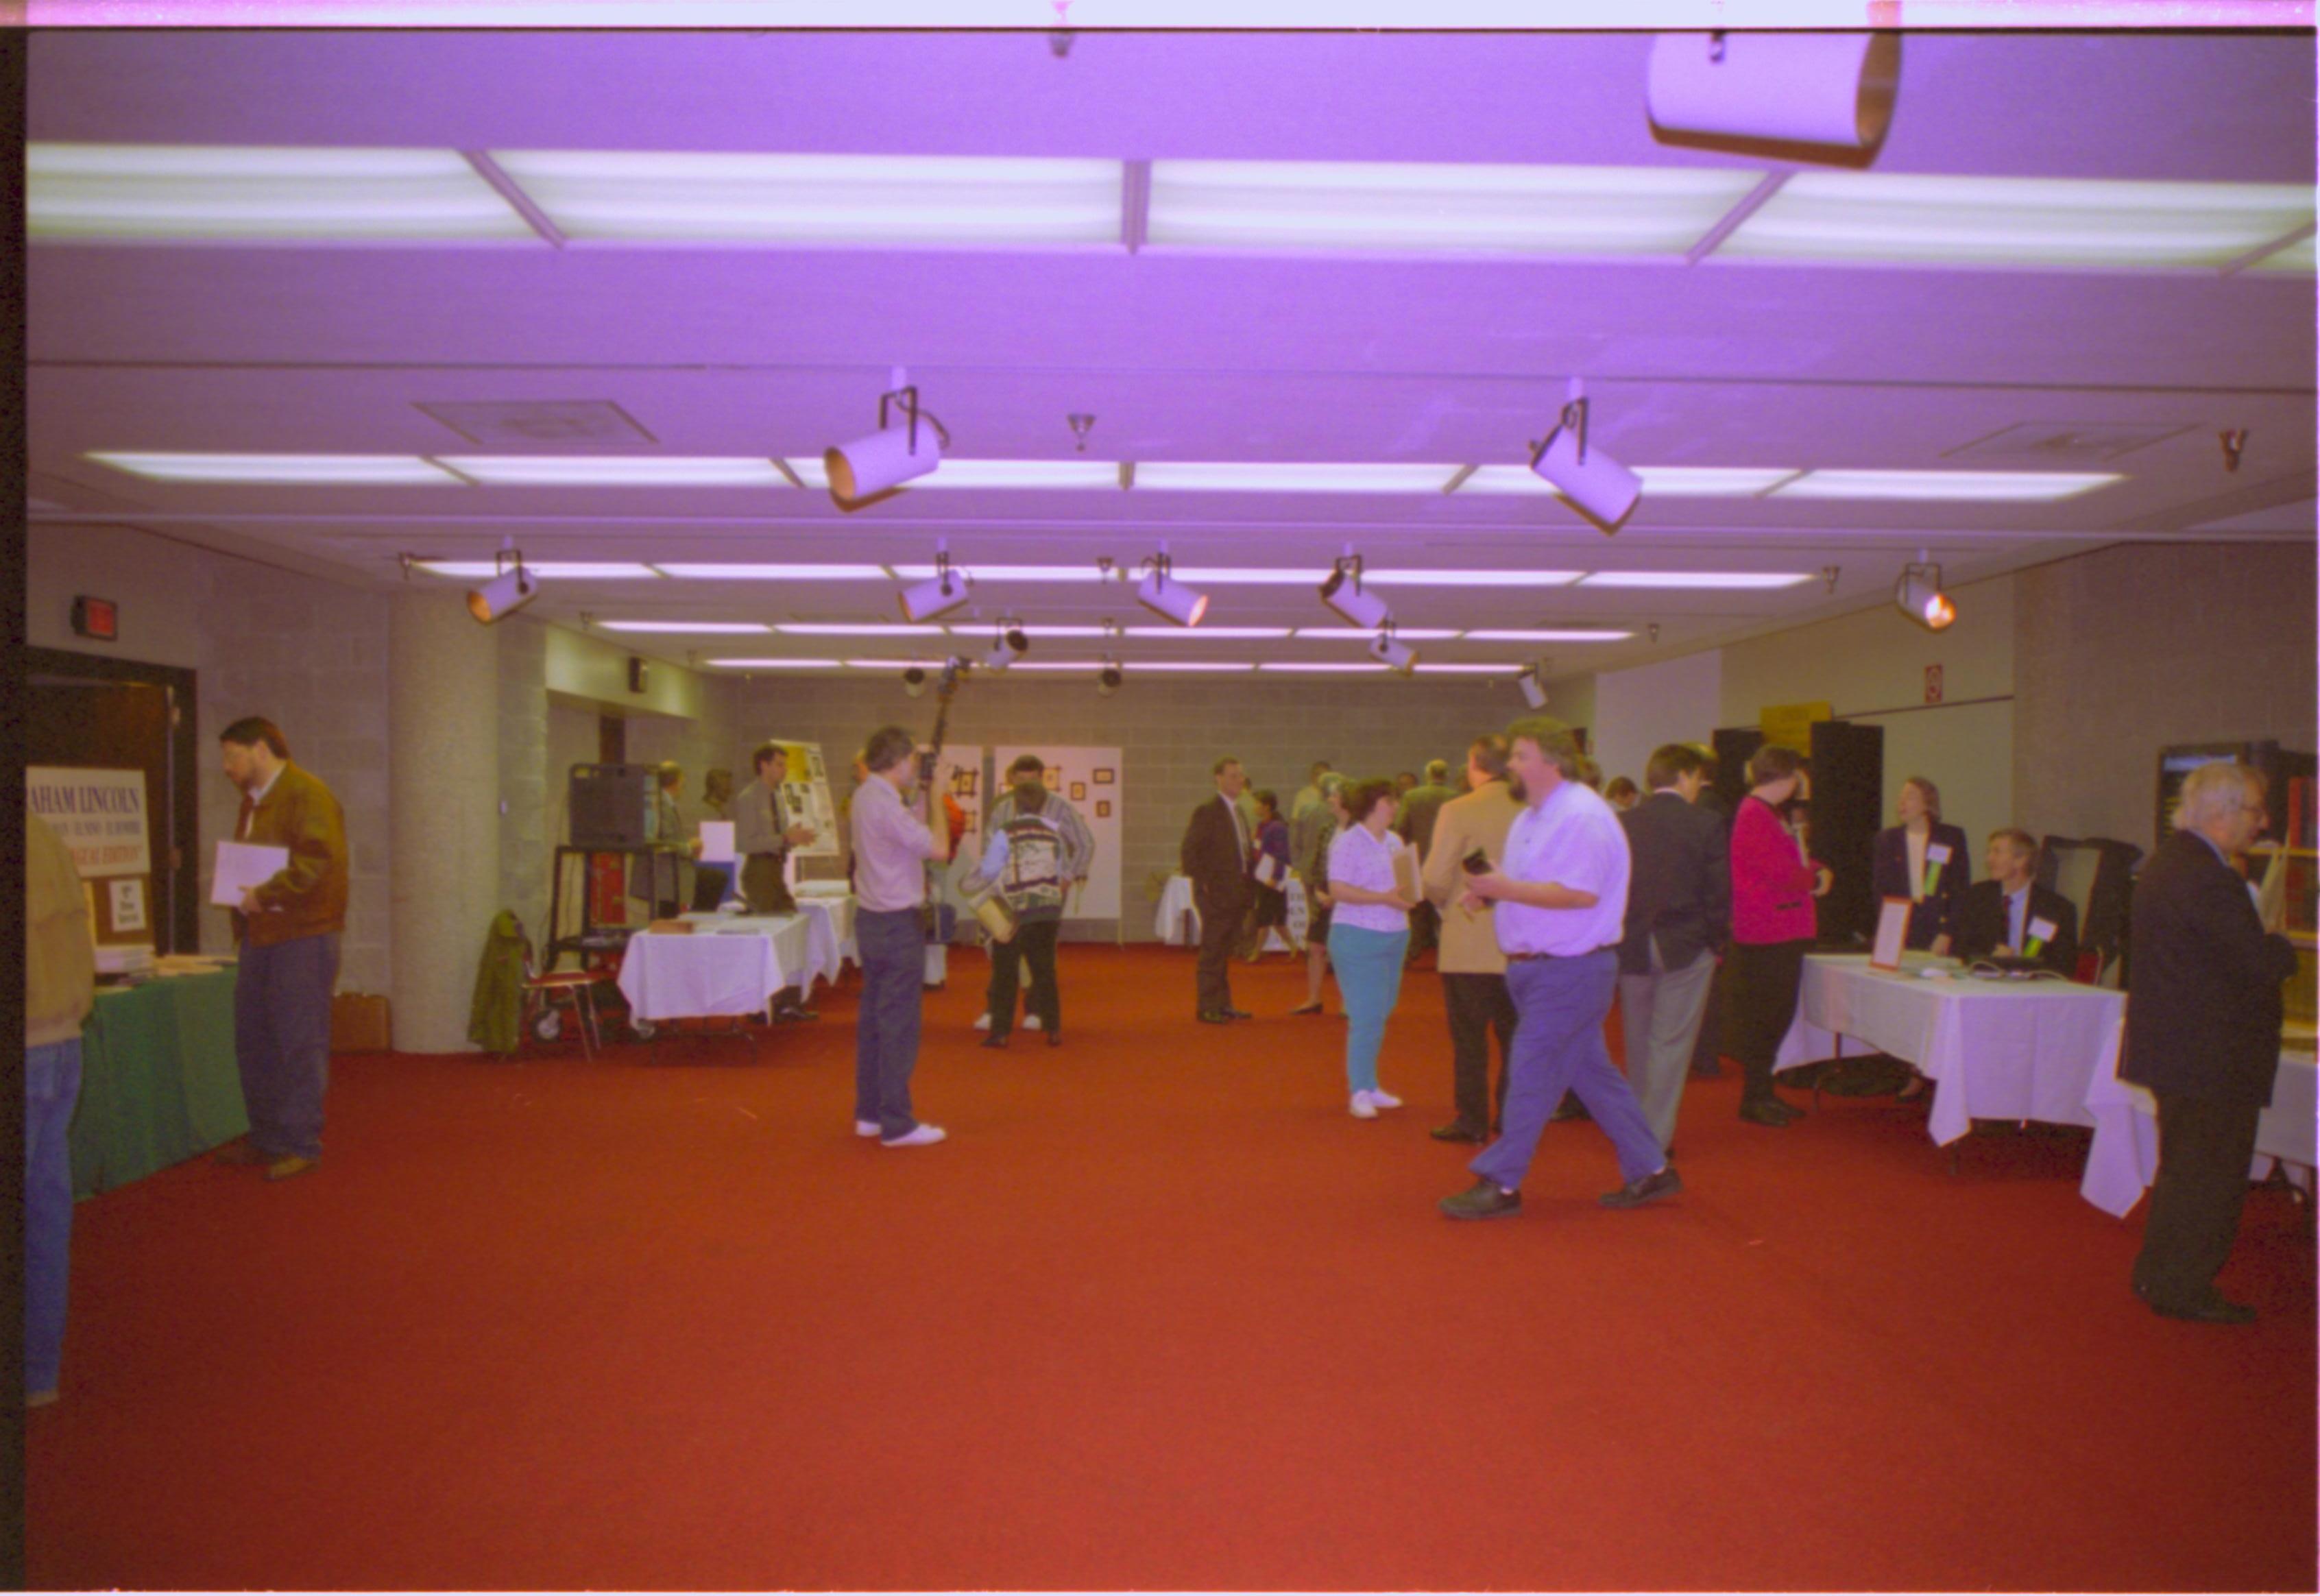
(1679, 916)
(2203, 1033)
(2009, 913)
(1414, 824)
(1706, 1052)
(1216, 855)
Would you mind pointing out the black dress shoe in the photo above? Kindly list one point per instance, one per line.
(1775, 1114)
(2215, 1309)
(1482, 1200)
(1238, 1014)
(995, 1040)
(1456, 1130)
(1211, 1017)
(1651, 1188)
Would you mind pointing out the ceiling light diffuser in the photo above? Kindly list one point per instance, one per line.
(562, 570)
(776, 573)
(1208, 633)
(1090, 572)
(1661, 482)
(1438, 208)
(1384, 575)
(369, 470)
(1337, 634)
(1248, 477)
(1734, 580)
(1192, 665)
(702, 628)
(2014, 487)
(1546, 635)
(993, 474)
(1919, 220)
(616, 471)
(1330, 667)
(257, 194)
(849, 630)
(789, 664)
(804, 200)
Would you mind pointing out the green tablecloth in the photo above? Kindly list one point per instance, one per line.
(157, 1081)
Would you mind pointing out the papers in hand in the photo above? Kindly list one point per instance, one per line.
(717, 842)
(244, 865)
(1405, 874)
(1268, 870)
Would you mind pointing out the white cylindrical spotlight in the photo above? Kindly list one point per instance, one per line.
(1163, 595)
(1343, 592)
(1918, 595)
(504, 594)
(914, 681)
(1597, 486)
(937, 596)
(1793, 88)
(1387, 651)
(882, 460)
(1009, 645)
(1534, 691)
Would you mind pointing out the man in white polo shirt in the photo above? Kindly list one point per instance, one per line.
(892, 846)
(1560, 898)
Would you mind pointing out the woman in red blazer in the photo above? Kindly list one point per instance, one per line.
(1773, 885)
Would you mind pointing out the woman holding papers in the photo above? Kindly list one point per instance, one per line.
(1270, 875)
(1372, 887)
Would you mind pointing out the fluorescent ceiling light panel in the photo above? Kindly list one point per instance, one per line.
(850, 630)
(718, 197)
(369, 470)
(1547, 635)
(981, 573)
(1386, 576)
(1085, 664)
(1662, 481)
(1439, 208)
(779, 663)
(702, 628)
(1248, 477)
(975, 629)
(616, 471)
(1306, 665)
(2297, 258)
(896, 664)
(1201, 633)
(1133, 666)
(774, 572)
(1276, 576)
(812, 471)
(94, 192)
(1736, 580)
(1409, 634)
(1917, 220)
(2012, 487)
(566, 570)
(1473, 670)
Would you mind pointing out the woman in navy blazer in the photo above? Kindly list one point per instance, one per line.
(1925, 861)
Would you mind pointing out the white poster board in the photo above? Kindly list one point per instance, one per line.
(1094, 781)
(806, 800)
(99, 814)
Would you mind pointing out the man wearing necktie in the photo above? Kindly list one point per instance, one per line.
(1215, 857)
(2010, 913)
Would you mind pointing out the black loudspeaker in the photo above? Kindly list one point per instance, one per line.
(612, 805)
(1848, 782)
(1733, 746)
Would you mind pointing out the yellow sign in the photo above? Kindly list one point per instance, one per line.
(1790, 724)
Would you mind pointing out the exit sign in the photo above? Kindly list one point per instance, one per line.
(1933, 684)
(96, 618)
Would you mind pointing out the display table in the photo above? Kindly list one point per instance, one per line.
(1178, 923)
(833, 902)
(2125, 1156)
(734, 969)
(1995, 1049)
(159, 1083)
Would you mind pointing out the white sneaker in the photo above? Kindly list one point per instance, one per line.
(866, 1126)
(983, 1023)
(1364, 1109)
(925, 1136)
(1380, 1098)
(1031, 1022)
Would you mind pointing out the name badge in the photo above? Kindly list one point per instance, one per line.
(2041, 930)
(1939, 853)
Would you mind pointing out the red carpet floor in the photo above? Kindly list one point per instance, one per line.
(1159, 1315)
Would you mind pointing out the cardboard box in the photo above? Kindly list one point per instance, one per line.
(359, 1023)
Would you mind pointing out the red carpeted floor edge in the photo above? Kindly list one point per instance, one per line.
(1160, 1315)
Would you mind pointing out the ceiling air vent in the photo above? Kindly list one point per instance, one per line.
(2063, 443)
(580, 423)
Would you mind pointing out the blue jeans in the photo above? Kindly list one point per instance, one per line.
(1369, 974)
(892, 944)
(51, 1087)
(282, 1040)
(1561, 1005)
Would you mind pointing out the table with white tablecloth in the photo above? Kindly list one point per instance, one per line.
(2125, 1156)
(732, 964)
(1178, 923)
(834, 936)
(1996, 1050)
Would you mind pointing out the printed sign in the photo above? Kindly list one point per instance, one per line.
(129, 903)
(100, 814)
(1933, 684)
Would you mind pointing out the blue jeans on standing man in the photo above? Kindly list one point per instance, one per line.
(282, 1040)
(1562, 1004)
(51, 1087)
(892, 944)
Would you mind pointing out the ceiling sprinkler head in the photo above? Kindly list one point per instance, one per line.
(1080, 424)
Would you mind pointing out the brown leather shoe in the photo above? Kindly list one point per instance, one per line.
(282, 1169)
(241, 1153)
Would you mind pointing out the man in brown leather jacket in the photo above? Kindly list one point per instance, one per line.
(288, 929)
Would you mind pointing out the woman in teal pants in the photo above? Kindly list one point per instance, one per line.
(1369, 933)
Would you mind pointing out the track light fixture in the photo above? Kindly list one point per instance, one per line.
(1008, 645)
(862, 471)
(1829, 89)
(1918, 595)
(507, 591)
(1163, 595)
(1342, 593)
(1597, 486)
(1390, 653)
(914, 681)
(1108, 679)
(939, 594)
(1534, 689)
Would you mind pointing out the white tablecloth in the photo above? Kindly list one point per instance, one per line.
(734, 970)
(1999, 1049)
(2125, 1156)
(833, 901)
(1178, 923)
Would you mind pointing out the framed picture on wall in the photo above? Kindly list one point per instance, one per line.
(1103, 778)
(1103, 809)
(1078, 791)
(1052, 777)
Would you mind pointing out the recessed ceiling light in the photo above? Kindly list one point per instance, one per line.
(1409, 634)
(1205, 633)
(1728, 579)
(849, 630)
(1992, 486)
(703, 627)
(616, 471)
(1247, 476)
(256, 193)
(772, 573)
(779, 663)
(712, 197)
(1090, 572)
(1384, 575)
(371, 470)
(1923, 220)
(1547, 635)
(566, 570)
(1439, 207)
(1660, 482)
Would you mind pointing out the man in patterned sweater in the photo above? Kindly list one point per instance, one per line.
(1039, 848)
